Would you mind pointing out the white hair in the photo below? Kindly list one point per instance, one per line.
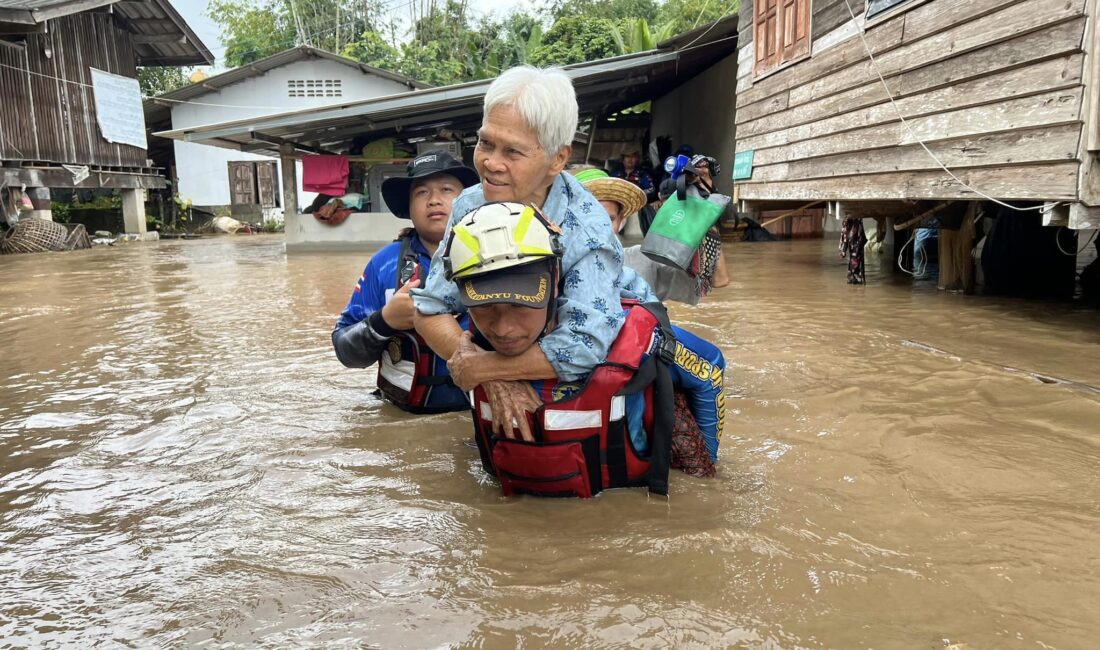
(544, 97)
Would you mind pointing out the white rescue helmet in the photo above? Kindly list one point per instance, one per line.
(498, 236)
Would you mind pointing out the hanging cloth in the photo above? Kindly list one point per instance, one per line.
(325, 174)
(852, 241)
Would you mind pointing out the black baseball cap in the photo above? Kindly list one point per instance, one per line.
(395, 191)
(529, 285)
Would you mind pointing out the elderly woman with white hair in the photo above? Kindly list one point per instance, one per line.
(525, 140)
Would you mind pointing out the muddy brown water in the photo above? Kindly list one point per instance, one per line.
(183, 462)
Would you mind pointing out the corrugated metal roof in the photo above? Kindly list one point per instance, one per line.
(603, 87)
(161, 36)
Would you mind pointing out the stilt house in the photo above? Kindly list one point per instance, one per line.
(58, 60)
(1004, 92)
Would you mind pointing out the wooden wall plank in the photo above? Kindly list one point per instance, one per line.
(1012, 148)
(1051, 74)
(1006, 24)
(975, 27)
(1062, 74)
(1057, 181)
(1053, 108)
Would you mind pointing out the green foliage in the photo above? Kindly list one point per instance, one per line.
(60, 211)
(614, 10)
(157, 80)
(273, 226)
(679, 16)
(251, 32)
(112, 201)
(577, 39)
(372, 49)
(445, 44)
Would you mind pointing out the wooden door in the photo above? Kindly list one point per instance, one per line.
(242, 183)
(267, 184)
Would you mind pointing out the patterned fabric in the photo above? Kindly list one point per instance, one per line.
(852, 241)
(705, 262)
(593, 278)
(689, 451)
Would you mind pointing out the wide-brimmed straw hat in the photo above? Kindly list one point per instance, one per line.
(606, 188)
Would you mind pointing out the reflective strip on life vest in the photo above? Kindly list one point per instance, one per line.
(618, 407)
(400, 374)
(554, 420)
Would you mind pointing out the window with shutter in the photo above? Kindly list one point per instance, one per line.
(781, 32)
(876, 7)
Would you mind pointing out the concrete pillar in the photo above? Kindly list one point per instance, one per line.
(834, 217)
(40, 199)
(289, 178)
(133, 211)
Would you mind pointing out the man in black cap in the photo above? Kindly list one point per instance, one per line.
(377, 324)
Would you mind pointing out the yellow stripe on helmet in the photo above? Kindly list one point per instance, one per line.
(523, 224)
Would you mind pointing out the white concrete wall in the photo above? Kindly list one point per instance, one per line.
(203, 170)
(701, 113)
(360, 231)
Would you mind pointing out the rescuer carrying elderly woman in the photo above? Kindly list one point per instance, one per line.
(524, 143)
(655, 402)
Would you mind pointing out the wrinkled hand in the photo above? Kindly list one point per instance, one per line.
(510, 402)
(398, 312)
(466, 362)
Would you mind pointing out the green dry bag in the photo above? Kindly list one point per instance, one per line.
(679, 227)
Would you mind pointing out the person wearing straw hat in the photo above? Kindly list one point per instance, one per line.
(622, 199)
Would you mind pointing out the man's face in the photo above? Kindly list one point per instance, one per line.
(630, 161)
(430, 205)
(510, 329)
(511, 163)
(615, 211)
(703, 171)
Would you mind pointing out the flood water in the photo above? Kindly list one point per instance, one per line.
(183, 462)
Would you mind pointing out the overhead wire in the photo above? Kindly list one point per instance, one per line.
(890, 95)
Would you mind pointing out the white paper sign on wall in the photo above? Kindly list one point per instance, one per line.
(118, 109)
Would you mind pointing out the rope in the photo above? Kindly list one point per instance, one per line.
(901, 117)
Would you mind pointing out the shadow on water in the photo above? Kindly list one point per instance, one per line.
(183, 461)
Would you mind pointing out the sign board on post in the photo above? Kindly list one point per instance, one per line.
(742, 166)
(118, 109)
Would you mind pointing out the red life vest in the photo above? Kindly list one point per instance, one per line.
(406, 372)
(583, 445)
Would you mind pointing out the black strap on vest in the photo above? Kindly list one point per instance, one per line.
(407, 259)
(655, 370)
(664, 403)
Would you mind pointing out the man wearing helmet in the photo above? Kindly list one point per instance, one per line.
(530, 118)
(506, 259)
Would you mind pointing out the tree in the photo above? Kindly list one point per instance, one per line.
(615, 10)
(576, 39)
(157, 80)
(254, 31)
(251, 32)
(679, 16)
(372, 49)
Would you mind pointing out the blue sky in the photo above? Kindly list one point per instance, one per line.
(194, 12)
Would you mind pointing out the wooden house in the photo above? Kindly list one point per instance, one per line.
(58, 60)
(1003, 92)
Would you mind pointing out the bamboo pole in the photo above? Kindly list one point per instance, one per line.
(905, 225)
(790, 214)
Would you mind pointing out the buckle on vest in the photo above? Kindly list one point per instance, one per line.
(666, 348)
